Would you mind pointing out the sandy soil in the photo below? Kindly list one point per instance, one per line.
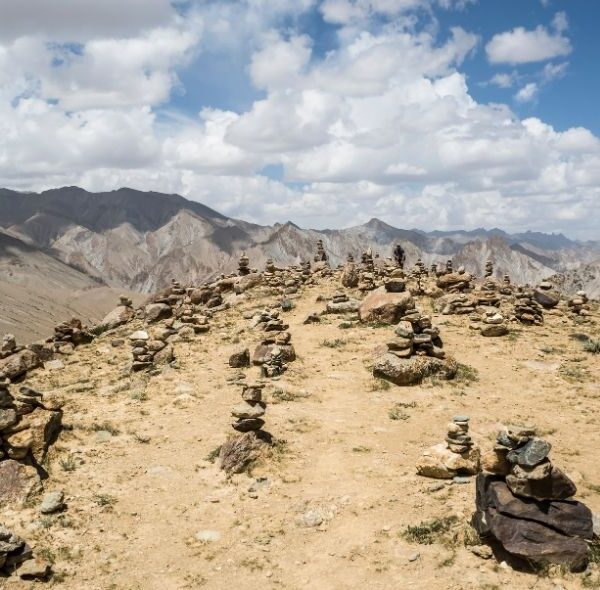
(137, 498)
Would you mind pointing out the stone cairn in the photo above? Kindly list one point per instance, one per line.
(68, 335)
(491, 324)
(243, 265)
(366, 280)
(489, 269)
(579, 305)
(455, 282)
(526, 504)
(321, 255)
(546, 295)
(415, 352)
(242, 449)
(341, 303)
(527, 309)
(16, 557)
(275, 349)
(147, 352)
(506, 288)
(270, 266)
(434, 270)
(350, 276)
(449, 266)
(9, 346)
(457, 456)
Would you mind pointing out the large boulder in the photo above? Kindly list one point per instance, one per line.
(247, 282)
(547, 298)
(381, 306)
(350, 276)
(350, 306)
(411, 371)
(538, 532)
(157, 311)
(18, 364)
(454, 280)
(117, 317)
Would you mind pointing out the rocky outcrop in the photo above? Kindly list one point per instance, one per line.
(381, 306)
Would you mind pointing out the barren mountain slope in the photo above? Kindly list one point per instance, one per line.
(148, 510)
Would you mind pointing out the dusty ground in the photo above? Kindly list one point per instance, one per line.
(139, 486)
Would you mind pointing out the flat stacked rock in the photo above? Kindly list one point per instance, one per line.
(68, 335)
(457, 456)
(579, 304)
(148, 352)
(490, 324)
(367, 272)
(243, 265)
(321, 255)
(341, 303)
(248, 414)
(270, 266)
(456, 304)
(414, 353)
(455, 282)
(275, 349)
(9, 346)
(506, 288)
(528, 310)
(489, 269)
(526, 503)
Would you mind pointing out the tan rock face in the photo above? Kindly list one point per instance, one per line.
(439, 462)
(495, 462)
(383, 307)
(17, 482)
(18, 364)
(117, 317)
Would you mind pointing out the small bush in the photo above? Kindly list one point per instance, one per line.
(337, 343)
(429, 532)
(466, 374)
(592, 346)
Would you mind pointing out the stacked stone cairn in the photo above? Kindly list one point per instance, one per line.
(366, 280)
(458, 456)
(490, 324)
(489, 269)
(434, 270)
(579, 305)
(321, 255)
(526, 504)
(270, 266)
(350, 275)
(68, 335)
(245, 447)
(455, 282)
(9, 346)
(341, 303)
(275, 349)
(506, 287)
(449, 266)
(415, 352)
(527, 310)
(147, 352)
(243, 265)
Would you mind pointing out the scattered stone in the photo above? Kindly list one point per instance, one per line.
(240, 359)
(52, 502)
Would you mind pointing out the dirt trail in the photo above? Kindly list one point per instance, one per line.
(138, 497)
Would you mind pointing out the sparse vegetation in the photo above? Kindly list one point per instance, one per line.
(429, 532)
(336, 343)
(397, 411)
(465, 374)
(592, 346)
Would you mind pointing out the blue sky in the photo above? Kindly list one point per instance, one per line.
(438, 114)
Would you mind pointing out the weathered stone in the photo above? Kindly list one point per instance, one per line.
(164, 356)
(249, 410)
(240, 359)
(494, 330)
(495, 462)
(247, 282)
(404, 329)
(440, 462)
(557, 486)
(117, 317)
(412, 371)
(547, 298)
(539, 532)
(140, 335)
(530, 454)
(239, 452)
(17, 481)
(44, 427)
(8, 417)
(16, 365)
(248, 424)
(383, 307)
(35, 569)
(52, 502)
(155, 312)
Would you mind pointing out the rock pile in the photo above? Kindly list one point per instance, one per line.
(415, 352)
(17, 557)
(29, 424)
(489, 269)
(350, 275)
(457, 456)
(148, 352)
(454, 282)
(459, 304)
(245, 447)
(526, 503)
(122, 314)
(579, 305)
(341, 303)
(367, 272)
(243, 265)
(321, 255)
(9, 346)
(68, 335)
(275, 349)
(490, 324)
(527, 309)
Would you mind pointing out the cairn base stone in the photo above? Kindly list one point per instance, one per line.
(18, 364)
(537, 532)
(557, 486)
(412, 371)
(380, 306)
(239, 452)
(17, 482)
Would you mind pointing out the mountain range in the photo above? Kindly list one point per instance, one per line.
(67, 241)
